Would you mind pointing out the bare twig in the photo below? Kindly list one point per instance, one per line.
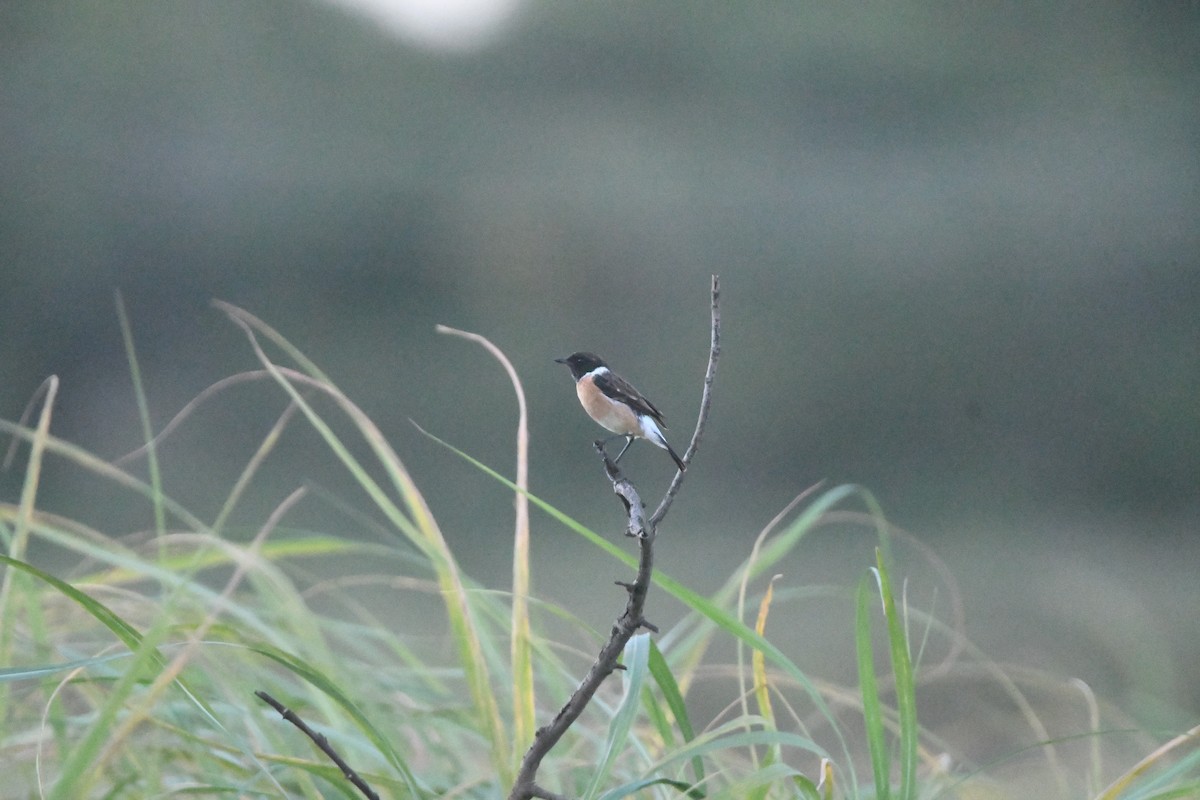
(714, 353)
(320, 741)
(631, 620)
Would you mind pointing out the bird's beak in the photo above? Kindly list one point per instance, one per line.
(560, 361)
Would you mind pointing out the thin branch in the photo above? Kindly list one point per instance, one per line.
(714, 354)
(320, 741)
(538, 791)
(631, 620)
(635, 510)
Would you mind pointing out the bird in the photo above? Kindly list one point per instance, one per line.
(612, 401)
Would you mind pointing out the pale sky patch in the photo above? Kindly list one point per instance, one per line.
(438, 24)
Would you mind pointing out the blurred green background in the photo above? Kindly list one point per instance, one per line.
(958, 244)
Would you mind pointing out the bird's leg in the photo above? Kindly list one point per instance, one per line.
(628, 441)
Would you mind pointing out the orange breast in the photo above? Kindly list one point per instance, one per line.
(613, 416)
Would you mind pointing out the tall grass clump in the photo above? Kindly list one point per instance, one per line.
(132, 672)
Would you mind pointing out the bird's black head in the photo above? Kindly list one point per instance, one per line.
(581, 364)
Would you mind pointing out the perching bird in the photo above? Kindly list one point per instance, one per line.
(615, 404)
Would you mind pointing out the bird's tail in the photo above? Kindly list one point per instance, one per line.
(678, 461)
(653, 434)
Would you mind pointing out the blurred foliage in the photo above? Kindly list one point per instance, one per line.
(958, 243)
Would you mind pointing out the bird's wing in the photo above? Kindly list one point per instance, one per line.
(620, 389)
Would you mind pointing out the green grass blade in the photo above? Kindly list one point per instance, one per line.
(91, 463)
(906, 701)
(635, 659)
(74, 775)
(521, 635)
(294, 353)
(633, 787)
(128, 635)
(872, 710)
(661, 672)
(1188, 791)
(698, 603)
(12, 582)
(566, 520)
(786, 540)
(720, 739)
(760, 782)
(146, 660)
(1190, 738)
(419, 526)
(807, 789)
(139, 390)
(82, 764)
(319, 680)
(17, 674)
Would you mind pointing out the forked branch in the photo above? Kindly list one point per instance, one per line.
(631, 620)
